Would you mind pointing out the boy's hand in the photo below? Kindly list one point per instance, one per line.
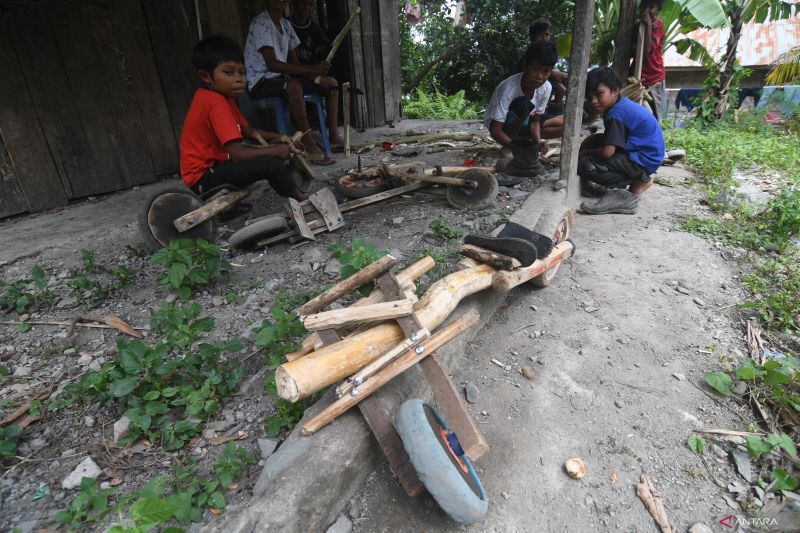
(281, 151)
(321, 68)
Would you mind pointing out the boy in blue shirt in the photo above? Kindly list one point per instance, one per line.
(622, 159)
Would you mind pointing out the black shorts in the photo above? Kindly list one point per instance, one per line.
(544, 117)
(272, 87)
(242, 173)
(616, 172)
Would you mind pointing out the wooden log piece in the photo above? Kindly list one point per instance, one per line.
(209, 210)
(357, 315)
(346, 117)
(503, 262)
(406, 278)
(505, 280)
(303, 377)
(397, 367)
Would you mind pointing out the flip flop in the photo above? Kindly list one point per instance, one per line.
(320, 160)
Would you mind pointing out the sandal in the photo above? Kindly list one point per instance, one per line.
(321, 160)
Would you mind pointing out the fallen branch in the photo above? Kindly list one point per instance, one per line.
(654, 503)
(26, 407)
(420, 139)
(74, 323)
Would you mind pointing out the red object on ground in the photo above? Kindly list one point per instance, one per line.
(387, 146)
(471, 162)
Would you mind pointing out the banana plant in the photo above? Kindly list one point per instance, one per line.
(785, 69)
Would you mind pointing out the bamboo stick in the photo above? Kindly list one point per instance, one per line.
(346, 117)
(307, 375)
(397, 367)
(406, 279)
(337, 42)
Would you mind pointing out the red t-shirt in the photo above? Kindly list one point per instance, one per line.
(653, 65)
(212, 121)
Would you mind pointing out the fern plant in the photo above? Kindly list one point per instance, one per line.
(439, 106)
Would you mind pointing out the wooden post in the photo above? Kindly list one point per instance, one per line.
(576, 90)
(624, 39)
(346, 117)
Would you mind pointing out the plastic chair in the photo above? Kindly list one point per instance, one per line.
(281, 108)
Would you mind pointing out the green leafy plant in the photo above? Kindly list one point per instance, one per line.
(289, 414)
(438, 106)
(232, 463)
(696, 444)
(90, 505)
(8, 440)
(444, 231)
(355, 257)
(720, 382)
(85, 287)
(190, 264)
(16, 296)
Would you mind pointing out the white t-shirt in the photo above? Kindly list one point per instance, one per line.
(264, 33)
(505, 93)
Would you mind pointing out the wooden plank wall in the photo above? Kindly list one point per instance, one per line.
(91, 98)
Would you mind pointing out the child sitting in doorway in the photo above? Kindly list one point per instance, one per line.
(619, 161)
(517, 107)
(211, 148)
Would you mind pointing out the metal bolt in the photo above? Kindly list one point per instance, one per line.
(420, 349)
(414, 337)
(354, 392)
(357, 380)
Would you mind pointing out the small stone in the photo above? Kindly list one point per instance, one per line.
(527, 372)
(267, 446)
(727, 216)
(251, 331)
(313, 255)
(398, 220)
(88, 421)
(333, 267)
(239, 415)
(679, 376)
(251, 300)
(743, 465)
(683, 290)
(37, 444)
(87, 468)
(354, 511)
(342, 525)
(506, 495)
(560, 184)
(718, 451)
(69, 301)
(22, 371)
(619, 404)
(700, 528)
(121, 428)
(217, 301)
(85, 359)
(699, 302)
(471, 391)
(95, 365)
(69, 352)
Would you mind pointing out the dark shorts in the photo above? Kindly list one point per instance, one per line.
(272, 87)
(616, 172)
(243, 173)
(544, 117)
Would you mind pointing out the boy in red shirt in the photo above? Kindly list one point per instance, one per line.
(212, 151)
(654, 74)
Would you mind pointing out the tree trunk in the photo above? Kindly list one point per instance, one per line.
(623, 43)
(424, 71)
(729, 60)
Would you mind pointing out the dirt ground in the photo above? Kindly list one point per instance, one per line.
(618, 356)
(46, 356)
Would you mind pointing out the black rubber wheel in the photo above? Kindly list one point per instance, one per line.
(258, 230)
(558, 223)
(441, 464)
(158, 214)
(464, 197)
(359, 188)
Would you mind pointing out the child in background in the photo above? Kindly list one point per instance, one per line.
(313, 41)
(211, 148)
(654, 74)
(540, 31)
(619, 161)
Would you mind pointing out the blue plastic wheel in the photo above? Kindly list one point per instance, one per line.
(440, 462)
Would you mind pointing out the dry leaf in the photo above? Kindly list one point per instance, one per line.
(115, 481)
(527, 372)
(215, 512)
(613, 476)
(120, 325)
(216, 441)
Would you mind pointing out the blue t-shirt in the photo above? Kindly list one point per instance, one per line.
(642, 138)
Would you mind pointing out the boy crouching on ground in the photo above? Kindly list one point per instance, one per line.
(212, 151)
(517, 107)
(621, 160)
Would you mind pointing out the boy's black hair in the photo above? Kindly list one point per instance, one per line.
(604, 75)
(539, 25)
(648, 3)
(213, 50)
(542, 53)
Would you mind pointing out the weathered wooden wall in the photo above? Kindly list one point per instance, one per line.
(92, 96)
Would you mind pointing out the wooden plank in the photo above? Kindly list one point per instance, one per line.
(389, 441)
(390, 59)
(141, 75)
(348, 285)
(24, 134)
(300, 221)
(361, 118)
(225, 18)
(576, 89)
(12, 197)
(371, 49)
(173, 33)
(454, 408)
(357, 315)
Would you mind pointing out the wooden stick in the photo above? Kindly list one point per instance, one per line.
(305, 376)
(421, 139)
(362, 375)
(209, 210)
(60, 323)
(755, 343)
(406, 279)
(357, 315)
(337, 42)
(654, 503)
(346, 117)
(504, 280)
(397, 367)
(346, 286)
(503, 262)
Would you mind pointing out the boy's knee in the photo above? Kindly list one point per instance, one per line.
(328, 82)
(294, 89)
